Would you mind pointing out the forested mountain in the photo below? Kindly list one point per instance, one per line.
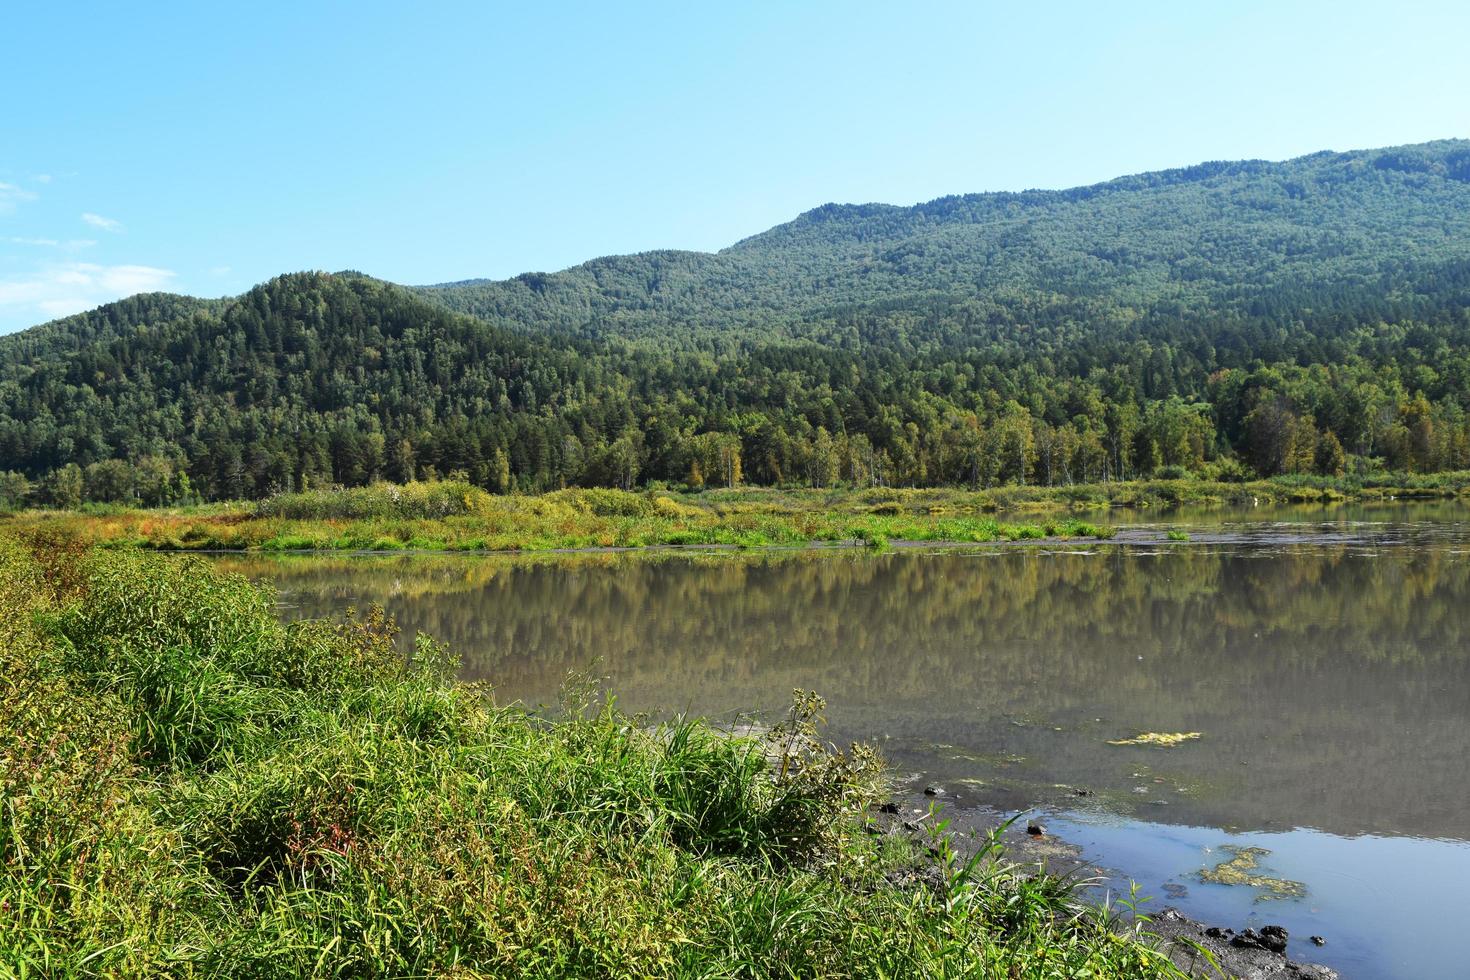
(1370, 234)
(1275, 317)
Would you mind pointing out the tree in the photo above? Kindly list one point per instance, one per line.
(109, 481)
(402, 467)
(1329, 459)
(824, 462)
(1271, 430)
(622, 462)
(500, 479)
(1013, 444)
(153, 481)
(1418, 420)
(15, 490)
(65, 490)
(1121, 428)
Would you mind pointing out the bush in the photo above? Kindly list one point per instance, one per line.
(1228, 470)
(604, 502)
(426, 501)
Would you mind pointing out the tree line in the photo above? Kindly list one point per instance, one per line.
(1226, 320)
(313, 379)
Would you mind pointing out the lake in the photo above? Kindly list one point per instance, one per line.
(1322, 656)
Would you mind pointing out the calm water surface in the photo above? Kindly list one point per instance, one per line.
(1324, 656)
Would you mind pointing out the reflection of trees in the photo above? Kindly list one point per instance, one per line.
(1339, 678)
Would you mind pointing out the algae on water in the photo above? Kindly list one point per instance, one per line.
(1164, 740)
(1241, 869)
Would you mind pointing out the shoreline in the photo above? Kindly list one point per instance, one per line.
(460, 518)
(1125, 537)
(1246, 954)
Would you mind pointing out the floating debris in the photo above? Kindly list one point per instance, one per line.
(1241, 868)
(1164, 740)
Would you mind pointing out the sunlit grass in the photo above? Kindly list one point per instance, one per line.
(460, 517)
(193, 788)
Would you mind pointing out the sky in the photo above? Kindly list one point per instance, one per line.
(204, 147)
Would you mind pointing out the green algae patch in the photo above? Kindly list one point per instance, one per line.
(1163, 740)
(1242, 868)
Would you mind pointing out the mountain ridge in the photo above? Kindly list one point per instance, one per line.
(1225, 319)
(1203, 234)
(961, 209)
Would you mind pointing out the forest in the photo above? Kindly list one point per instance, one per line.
(1227, 321)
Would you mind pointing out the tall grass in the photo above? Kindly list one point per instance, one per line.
(459, 517)
(383, 500)
(191, 788)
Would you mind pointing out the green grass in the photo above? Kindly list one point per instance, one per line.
(192, 788)
(456, 516)
(460, 517)
(1177, 535)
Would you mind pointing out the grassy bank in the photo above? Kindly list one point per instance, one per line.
(452, 516)
(191, 788)
(460, 517)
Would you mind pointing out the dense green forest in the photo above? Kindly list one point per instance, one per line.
(1228, 320)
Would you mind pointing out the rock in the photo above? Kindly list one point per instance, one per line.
(1084, 792)
(1318, 941)
(1270, 938)
(890, 807)
(933, 790)
(1249, 955)
(1035, 829)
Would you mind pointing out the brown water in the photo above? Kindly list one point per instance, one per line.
(1324, 658)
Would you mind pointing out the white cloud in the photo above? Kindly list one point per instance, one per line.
(97, 221)
(70, 244)
(10, 195)
(57, 308)
(43, 178)
(71, 287)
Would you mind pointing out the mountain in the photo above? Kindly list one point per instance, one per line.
(1226, 318)
(1368, 231)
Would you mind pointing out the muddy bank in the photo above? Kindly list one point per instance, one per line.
(1209, 952)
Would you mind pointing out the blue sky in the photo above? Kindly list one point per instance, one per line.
(202, 148)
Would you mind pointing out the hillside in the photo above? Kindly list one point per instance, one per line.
(1300, 317)
(1375, 233)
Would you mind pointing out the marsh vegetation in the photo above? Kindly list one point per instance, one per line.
(194, 788)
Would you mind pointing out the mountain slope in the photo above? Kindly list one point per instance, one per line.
(1301, 317)
(1217, 239)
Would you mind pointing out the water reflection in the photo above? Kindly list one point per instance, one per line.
(1389, 907)
(1330, 682)
(1324, 661)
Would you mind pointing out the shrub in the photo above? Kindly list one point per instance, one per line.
(383, 500)
(603, 502)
